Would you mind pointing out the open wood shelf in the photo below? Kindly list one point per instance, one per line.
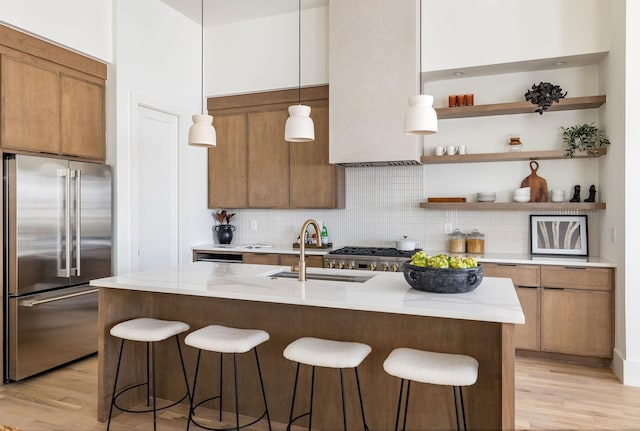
(526, 206)
(507, 156)
(586, 102)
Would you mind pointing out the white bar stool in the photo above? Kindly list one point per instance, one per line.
(433, 368)
(222, 339)
(318, 352)
(149, 331)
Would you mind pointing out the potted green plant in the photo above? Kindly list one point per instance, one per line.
(224, 230)
(584, 137)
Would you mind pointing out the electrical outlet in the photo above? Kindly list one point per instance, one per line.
(448, 227)
(613, 234)
(254, 224)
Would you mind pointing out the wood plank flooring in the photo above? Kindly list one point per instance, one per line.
(549, 396)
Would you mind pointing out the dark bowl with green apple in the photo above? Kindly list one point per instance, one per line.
(458, 276)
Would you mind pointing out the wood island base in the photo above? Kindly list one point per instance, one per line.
(489, 403)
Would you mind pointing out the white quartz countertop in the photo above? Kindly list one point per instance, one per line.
(495, 300)
(506, 258)
(259, 248)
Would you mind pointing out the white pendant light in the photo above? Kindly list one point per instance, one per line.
(299, 126)
(202, 133)
(421, 118)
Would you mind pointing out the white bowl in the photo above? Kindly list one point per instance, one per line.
(486, 197)
(521, 198)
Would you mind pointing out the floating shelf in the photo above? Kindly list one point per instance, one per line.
(570, 103)
(527, 206)
(507, 156)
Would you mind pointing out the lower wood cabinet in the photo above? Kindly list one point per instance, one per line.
(577, 322)
(568, 310)
(526, 279)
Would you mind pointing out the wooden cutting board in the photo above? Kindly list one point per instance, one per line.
(539, 192)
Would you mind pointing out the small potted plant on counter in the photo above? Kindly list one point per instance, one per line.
(224, 230)
(584, 137)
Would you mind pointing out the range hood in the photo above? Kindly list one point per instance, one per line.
(373, 70)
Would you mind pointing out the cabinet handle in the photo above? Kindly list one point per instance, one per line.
(575, 267)
(554, 288)
(507, 264)
(528, 287)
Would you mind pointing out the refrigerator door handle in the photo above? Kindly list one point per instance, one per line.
(35, 302)
(63, 237)
(76, 174)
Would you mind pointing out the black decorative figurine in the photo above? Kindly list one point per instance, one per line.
(576, 194)
(592, 194)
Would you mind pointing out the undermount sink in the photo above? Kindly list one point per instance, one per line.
(324, 277)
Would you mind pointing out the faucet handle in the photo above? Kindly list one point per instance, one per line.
(295, 267)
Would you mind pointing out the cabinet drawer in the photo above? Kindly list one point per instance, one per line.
(293, 259)
(261, 258)
(521, 275)
(577, 277)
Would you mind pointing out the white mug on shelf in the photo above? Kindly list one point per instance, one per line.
(439, 151)
(462, 149)
(452, 150)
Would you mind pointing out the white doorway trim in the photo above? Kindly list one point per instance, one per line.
(137, 103)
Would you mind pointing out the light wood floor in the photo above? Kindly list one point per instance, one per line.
(549, 396)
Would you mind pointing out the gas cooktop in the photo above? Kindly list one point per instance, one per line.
(373, 251)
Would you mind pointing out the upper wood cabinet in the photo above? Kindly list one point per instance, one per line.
(52, 100)
(82, 117)
(268, 160)
(29, 93)
(228, 163)
(252, 166)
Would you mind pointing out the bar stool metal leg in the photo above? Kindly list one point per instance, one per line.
(264, 394)
(115, 384)
(364, 421)
(293, 398)
(220, 386)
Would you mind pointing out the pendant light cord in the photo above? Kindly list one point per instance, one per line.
(420, 45)
(202, 107)
(299, 49)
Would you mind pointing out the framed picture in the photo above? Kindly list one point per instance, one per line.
(563, 235)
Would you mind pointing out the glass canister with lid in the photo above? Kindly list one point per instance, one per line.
(457, 242)
(475, 242)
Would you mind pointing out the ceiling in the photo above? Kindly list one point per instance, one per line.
(225, 11)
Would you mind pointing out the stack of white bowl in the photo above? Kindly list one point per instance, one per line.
(522, 194)
(486, 197)
(557, 195)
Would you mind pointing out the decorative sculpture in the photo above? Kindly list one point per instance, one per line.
(576, 194)
(592, 194)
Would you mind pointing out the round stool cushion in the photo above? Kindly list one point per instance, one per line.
(147, 329)
(431, 367)
(216, 338)
(326, 353)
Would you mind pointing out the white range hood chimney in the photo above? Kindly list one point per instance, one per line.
(373, 68)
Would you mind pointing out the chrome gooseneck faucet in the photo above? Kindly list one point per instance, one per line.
(302, 266)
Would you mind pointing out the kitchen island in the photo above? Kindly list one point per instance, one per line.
(384, 312)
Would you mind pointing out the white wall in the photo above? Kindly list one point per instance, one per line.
(466, 33)
(632, 195)
(158, 61)
(262, 54)
(83, 26)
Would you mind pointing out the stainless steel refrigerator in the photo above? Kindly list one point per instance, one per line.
(57, 237)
